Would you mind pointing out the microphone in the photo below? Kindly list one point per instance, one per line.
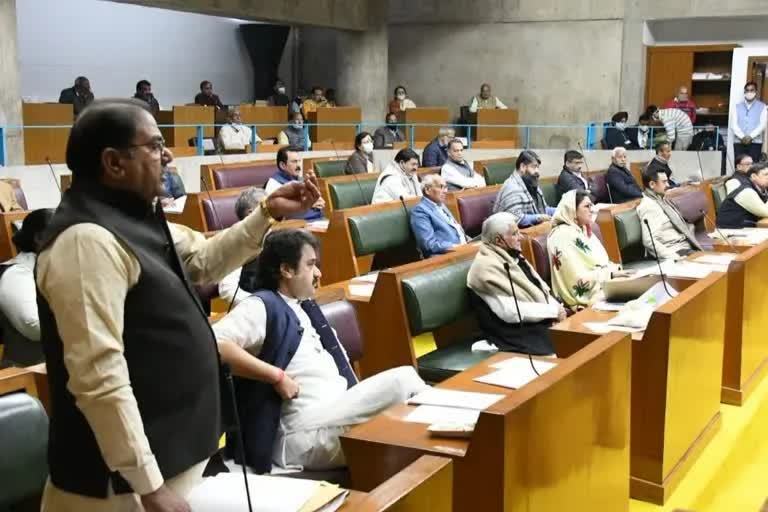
(714, 224)
(701, 167)
(240, 442)
(53, 173)
(656, 257)
(517, 307)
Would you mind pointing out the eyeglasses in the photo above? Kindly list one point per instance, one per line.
(155, 145)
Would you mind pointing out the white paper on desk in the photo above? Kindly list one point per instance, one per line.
(716, 259)
(431, 414)
(226, 491)
(454, 398)
(177, 206)
(605, 328)
(523, 365)
(608, 306)
(361, 290)
(318, 224)
(335, 504)
(515, 372)
(680, 269)
(371, 277)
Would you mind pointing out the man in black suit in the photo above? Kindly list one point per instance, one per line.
(622, 186)
(79, 96)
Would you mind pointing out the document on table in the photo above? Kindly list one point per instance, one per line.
(457, 399)
(177, 206)
(682, 269)
(716, 259)
(319, 224)
(749, 235)
(636, 314)
(515, 372)
(363, 286)
(436, 414)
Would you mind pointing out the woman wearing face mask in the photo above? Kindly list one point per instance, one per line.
(294, 134)
(513, 305)
(577, 259)
(361, 161)
(616, 135)
(401, 102)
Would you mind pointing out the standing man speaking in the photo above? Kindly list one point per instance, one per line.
(132, 362)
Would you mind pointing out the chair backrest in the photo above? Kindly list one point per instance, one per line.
(437, 298)
(496, 173)
(24, 447)
(377, 231)
(219, 211)
(330, 168)
(630, 235)
(718, 195)
(342, 316)
(602, 188)
(691, 204)
(541, 258)
(549, 190)
(251, 176)
(350, 194)
(474, 209)
(18, 192)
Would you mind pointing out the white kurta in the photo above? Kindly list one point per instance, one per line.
(311, 423)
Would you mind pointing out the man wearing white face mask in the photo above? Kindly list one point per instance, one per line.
(749, 126)
(616, 135)
(279, 98)
(361, 161)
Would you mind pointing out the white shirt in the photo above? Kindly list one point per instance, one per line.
(312, 367)
(229, 288)
(18, 295)
(235, 136)
(452, 175)
(393, 184)
(757, 133)
(473, 105)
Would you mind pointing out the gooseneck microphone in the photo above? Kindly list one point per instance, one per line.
(714, 225)
(519, 315)
(656, 257)
(236, 417)
(53, 173)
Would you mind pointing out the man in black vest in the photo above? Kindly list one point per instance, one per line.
(746, 204)
(296, 390)
(132, 362)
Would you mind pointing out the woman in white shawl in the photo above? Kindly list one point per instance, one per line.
(578, 261)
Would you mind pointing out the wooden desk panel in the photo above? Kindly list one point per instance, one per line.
(435, 116)
(7, 247)
(278, 116)
(518, 458)
(43, 144)
(676, 372)
(65, 181)
(484, 117)
(185, 115)
(322, 121)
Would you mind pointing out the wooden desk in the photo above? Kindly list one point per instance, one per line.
(65, 181)
(277, 116)
(185, 115)
(762, 223)
(42, 144)
(487, 116)
(562, 439)
(745, 353)
(435, 116)
(496, 144)
(183, 151)
(676, 378)
(7, 248)
(321, 124)
(192, 215)
(636, 168)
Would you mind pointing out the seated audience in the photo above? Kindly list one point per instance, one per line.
(572, 178)
(18, 292)
(458, 173)
(297, 101)
(521, 195)
(330, 97)
(401, 102)
(433, 225)
(672, 235)
(683, 102)
(622, 186)
(746, 204)
(485, 100)
(436, 152)
(499, 266)
(235, 135)
(677, 124)
(229, 286)
(315, 101)
(361, 161)
(8, 201)
(144, 93)
(577, 258)
(708, 139)
(288, 170)
(173, 186)
(79, 95)
(206, 97)
(386, 136)
(399, 180)
(640, 134)
(279, 98)
(660, 162)
(739, 177)
(296, 389)
(294, 134)
(617, 135)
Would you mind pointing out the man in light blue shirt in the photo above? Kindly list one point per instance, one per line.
(435, 228)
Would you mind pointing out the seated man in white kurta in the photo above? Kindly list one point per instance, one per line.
(296, 390)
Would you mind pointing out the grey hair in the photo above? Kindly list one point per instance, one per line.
(446, 130)
(248, 200)
(429, 180)
(497, 225)
(617, 150)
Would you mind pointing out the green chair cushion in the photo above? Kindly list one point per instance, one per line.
(718, 195)
(350, 194)
(496, 174)
(630, 236)
(378, 231)
(446, 362)
(330, 168)
(436, 298)
(549, 189)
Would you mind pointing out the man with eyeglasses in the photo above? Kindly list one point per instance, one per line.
(749, 123)
(434, 226)
(133, 367)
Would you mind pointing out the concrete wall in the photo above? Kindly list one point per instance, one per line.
(10, 98)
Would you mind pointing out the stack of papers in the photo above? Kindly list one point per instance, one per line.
(362, 286)
(635, 315)
(723, 258)
(177, 206)
(515, 372)
(447, 406)
(750, 236)
(319, 224)
(683, 269)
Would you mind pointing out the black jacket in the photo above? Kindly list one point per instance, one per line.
(78, 102)
(569, 181)
(615, 138)
(622, 186)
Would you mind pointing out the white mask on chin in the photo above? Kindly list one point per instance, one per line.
(750, 96)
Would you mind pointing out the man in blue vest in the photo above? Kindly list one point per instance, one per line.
(289, 171)
(749, 124)
(296, 390)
